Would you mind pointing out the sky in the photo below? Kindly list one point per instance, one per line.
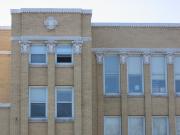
(121, 11)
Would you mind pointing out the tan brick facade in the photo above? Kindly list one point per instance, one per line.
(90, 43)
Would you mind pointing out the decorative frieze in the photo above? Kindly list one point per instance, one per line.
(77, 46)
(51, 46)
(25, 46)
(99, 58)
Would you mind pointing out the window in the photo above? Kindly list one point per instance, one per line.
(177, 74)
(64, 102)
(160, 125)
(112, 125)
(158, 75)
(64, 54)
(177, 125)
(38, 54)
(38, 102)
(135, 75)
(111, 75)
(136, 125)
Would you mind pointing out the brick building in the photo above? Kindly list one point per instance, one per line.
(64, 75)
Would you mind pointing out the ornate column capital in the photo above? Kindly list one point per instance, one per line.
(170, 58)
(25, 45)
(77, 46)
(51, 46)
(123, 58)
(99, 58)
(146, 58)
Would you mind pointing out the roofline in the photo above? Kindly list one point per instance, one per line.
(5, 27)
(51, 10)
(135, 24)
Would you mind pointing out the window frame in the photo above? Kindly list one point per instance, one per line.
(167, 118)
(176, 93)
(58, 88)
(72, 55)
(142, 75)
(45, 54)
(144, 130)
(177, 116)
(46, 109)
(165, 64)
(104, 88)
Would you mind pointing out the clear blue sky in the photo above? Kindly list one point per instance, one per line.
(163, 11)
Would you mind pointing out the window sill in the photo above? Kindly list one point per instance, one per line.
(63, 120)
(38, 65)
(112, 95)
(160, 94)
(38, 120)
(136, 95)
(65, 65)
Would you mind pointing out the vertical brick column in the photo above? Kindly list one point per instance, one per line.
(15, 92)
(170, 88)
(24, 88)
(51, 87)
(147, 95)
(77, 87)
(100, 94)
(124, 102)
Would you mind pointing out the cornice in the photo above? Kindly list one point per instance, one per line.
(173, 25)
(51, 10)
(5, 27)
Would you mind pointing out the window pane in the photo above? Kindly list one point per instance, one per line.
(158, 65)
(160, 126)
(136, 126)
(135, 65)
(38, 58)
(158, 86)
(177, 85)
(177, 65)
(64, 49)
(38, 110)
(112, 64)
(111, 83)
(177, 125)
(112, 126)
(38, 49)
(38, 95)
(64, 96)
(135, 83)
(64, 58)
(64, 109)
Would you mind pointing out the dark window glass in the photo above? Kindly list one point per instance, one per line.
(158, 86)
(38, 110)
(135, 83)
(38, 58)
(177, 83)
(64, 58)
(112, 83)
(64, 109)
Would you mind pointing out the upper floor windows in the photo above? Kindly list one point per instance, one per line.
(177, 74)
(158, 71)
(111, 75)
(135, 75)
(38, 54)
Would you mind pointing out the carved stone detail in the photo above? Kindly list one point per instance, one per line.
(50, 23)
(99, 58)
(77, 46)
(170, 58)
(123, 58)
(51, 46)
(25, 45)
(147, 58)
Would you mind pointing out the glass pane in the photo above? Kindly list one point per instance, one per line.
(158, 86)
(38, 95)
(135, 65)
(177, 125)
(38, 110)
(158, 65)
(177, 65)
(112, 126)
(136, 126)
(64, 109)
(177, 84)
(38, 58)
(112, 64)
(64, 49)
(66, 58)
(135, 83)
(38, 49)
(111, 83)
(160, 126)
(64, 95)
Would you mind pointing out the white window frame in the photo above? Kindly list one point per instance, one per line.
(144, 131)
(176, 93)
(165, 63)
(46, 114)
(119, 117)
(72, 55)
(142, 65)
(104, 88)
(45, 54)
(161, 117)
(58, 88)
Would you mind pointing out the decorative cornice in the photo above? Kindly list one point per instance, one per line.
(77, 45)
(5, 105)
(51, 10)
(5, 27)
(135, 25)
(39, 37)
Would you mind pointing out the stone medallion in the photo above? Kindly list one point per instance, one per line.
(50, 23)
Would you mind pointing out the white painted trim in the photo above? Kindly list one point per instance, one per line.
(5, 52)
(51, 10)
(174, 77)
(50, 38)
(135, 25)
(5, 105)
(5, 27)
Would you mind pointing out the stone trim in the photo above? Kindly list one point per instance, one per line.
(135, 25)
(51, 10)
(5, 52)
(5, 27)
(5, 105)
(99, 58)
(51, 46)
(77, 46)
(25, 46)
